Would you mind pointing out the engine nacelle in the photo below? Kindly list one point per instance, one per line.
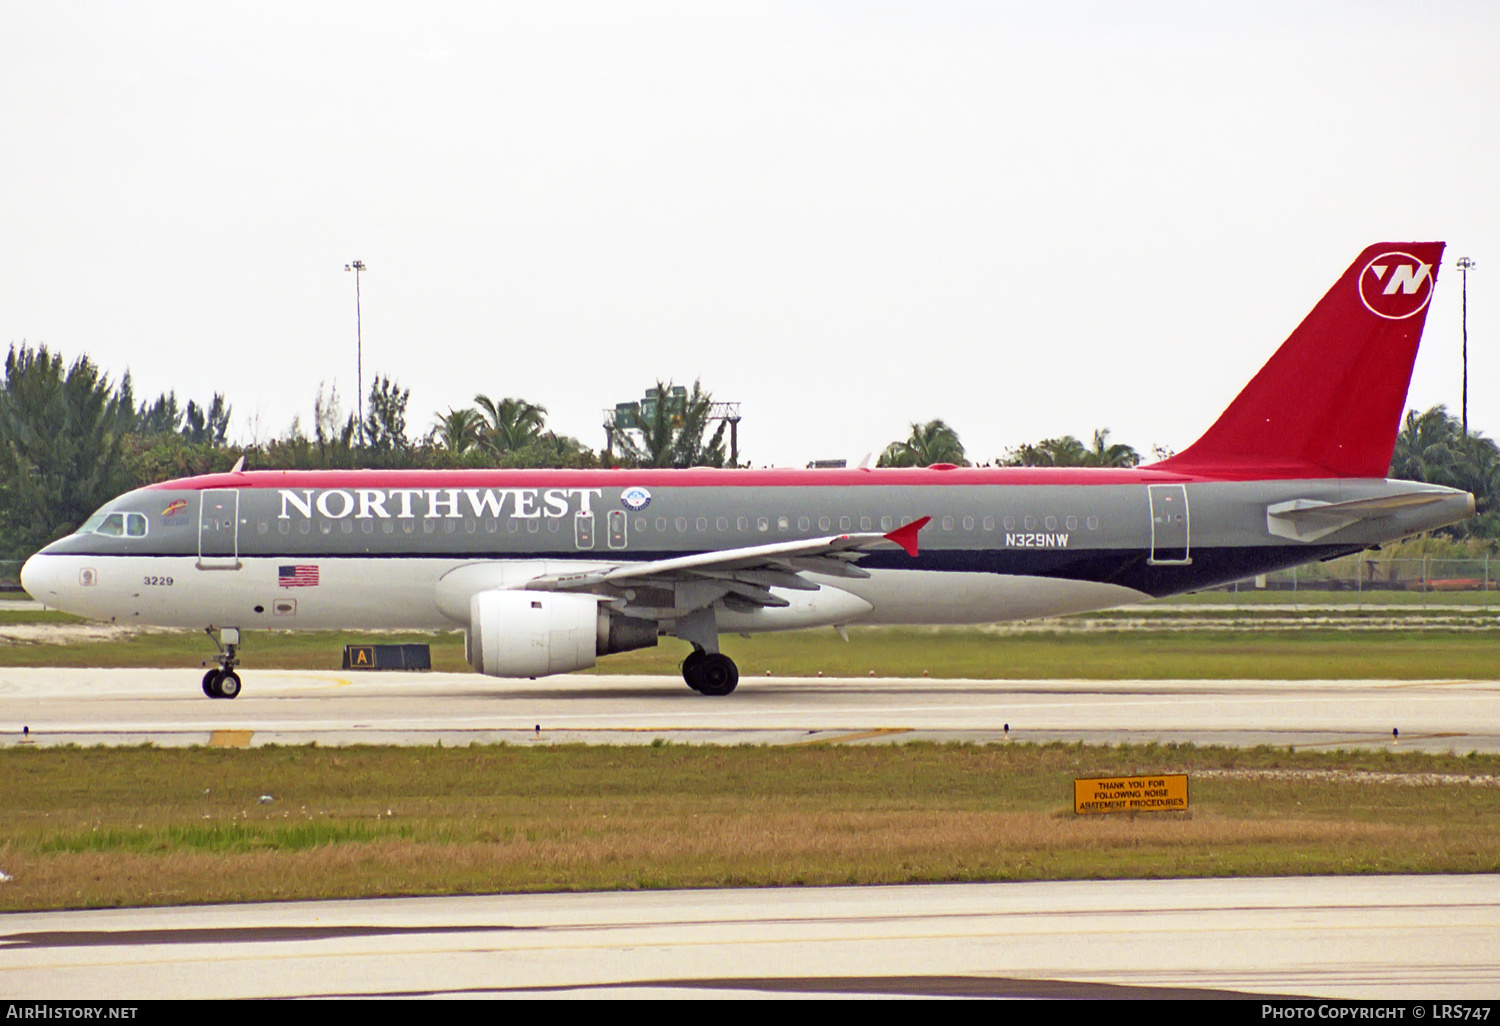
(539, 633)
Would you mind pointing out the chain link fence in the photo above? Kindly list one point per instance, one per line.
(1425, 578)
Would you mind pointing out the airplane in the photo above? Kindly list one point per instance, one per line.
(546, 570)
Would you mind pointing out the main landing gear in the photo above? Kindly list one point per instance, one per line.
(223, 682)
(710, 673)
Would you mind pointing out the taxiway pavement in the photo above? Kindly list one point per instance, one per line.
(1432, 937)
(167, 707)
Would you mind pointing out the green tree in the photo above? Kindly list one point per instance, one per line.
(510, 425)
(457, 431)
(206, 426)
(1068, 451)
(60, 447)
(670, 432)
(1432, 447)
(385, 425)
(933, 442)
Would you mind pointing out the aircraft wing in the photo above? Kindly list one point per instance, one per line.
(744, 575)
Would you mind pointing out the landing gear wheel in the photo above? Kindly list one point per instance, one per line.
(229, 684)
(691, 668)
(717, 674)
(211, 683)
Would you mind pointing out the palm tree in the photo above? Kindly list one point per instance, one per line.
(670, 433)
(1105, 455)
(458, 430)
(933, 442)
(1068, 451)
(512, 423)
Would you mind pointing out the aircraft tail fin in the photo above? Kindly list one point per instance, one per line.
(1329, 402)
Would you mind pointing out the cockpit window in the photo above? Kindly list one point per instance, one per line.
(116, 525)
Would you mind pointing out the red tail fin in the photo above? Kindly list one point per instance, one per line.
(1329, 402)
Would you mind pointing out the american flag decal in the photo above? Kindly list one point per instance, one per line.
(300, 576)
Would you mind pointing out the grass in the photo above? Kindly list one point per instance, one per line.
(138, 826)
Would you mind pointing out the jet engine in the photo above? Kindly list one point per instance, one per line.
(538, 633)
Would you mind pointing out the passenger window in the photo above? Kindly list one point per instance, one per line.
(1072, 523)
(491, 525)
(682, 523)
(368, 526)
(762, 524)
(825, 523)
(284, 526)
(845, 523)
(864, 523)
(968, 523)
(703, 524)
(1051, 523)
(947, 523)
(803, 523)
(326, 526)
(305, 527)
(428, 527)
(742, 524)
(1093, 523)
(640, 523)
(386, 527)
(532, 527)
(886, 524)
(406, 527)
(470, 526)
(989, 523)
(722, 524)
(1010, 523)
(1030, 523)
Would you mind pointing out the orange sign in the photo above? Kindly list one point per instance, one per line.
(1145, 792)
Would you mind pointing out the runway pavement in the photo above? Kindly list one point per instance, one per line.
(1354, 937)
(167, 707)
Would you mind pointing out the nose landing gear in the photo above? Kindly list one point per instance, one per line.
(223, 682)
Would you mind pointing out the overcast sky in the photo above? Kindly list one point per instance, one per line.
(1026, 219)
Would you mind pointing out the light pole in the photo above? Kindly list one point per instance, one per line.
(359, 351)
(1464, 263)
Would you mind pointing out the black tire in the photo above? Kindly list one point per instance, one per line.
(692, 668)
(717, 675)
(211, 683)
(229, 684)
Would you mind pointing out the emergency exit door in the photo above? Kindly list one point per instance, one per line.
(1169, 525)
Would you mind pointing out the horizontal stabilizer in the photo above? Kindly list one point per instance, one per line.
(1311, 519)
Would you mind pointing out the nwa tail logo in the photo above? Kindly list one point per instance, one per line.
(1395, 286)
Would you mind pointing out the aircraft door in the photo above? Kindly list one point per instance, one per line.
(583, 530)
(1169, 525)
(219, 529)
(617, 528)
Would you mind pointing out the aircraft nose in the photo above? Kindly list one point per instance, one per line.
(39, 578)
